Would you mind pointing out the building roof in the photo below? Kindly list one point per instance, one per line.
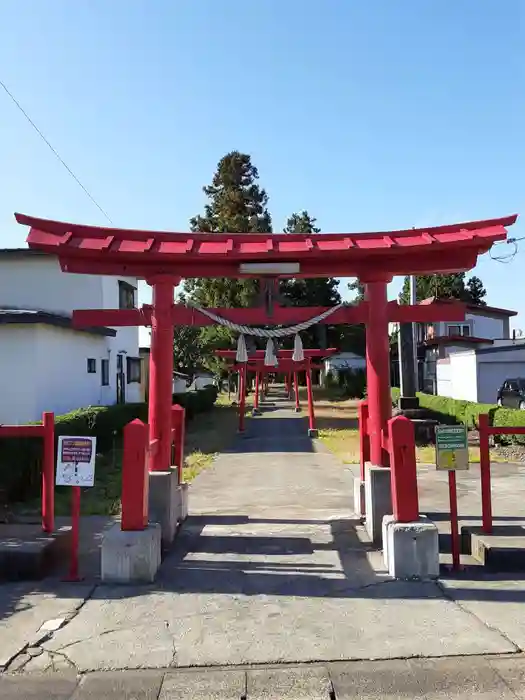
(457, 340)
(476, 308)
(112, 251)
(33, 316)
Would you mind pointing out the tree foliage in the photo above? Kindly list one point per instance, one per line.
(316, 291)
(236, 204)
(453, 286)
(358, 289)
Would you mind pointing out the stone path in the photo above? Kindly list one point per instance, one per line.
(460, 678)
(271, 568)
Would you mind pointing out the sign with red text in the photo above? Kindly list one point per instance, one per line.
(76, 461)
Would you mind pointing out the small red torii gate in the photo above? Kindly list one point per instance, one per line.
(285, 364)
(163, 259)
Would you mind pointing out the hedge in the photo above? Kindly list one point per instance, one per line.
(20, 458)
(448, 410)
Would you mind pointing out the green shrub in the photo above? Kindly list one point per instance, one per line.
(352, 382)
(21, 458)
(509, 418)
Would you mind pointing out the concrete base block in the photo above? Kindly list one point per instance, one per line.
(165, 503)
(378, 500)
(256, 412)
(411, 550)
(130, 557)
(359, 497)
(297, 410)
(313, 433)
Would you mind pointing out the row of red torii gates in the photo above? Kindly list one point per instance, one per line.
(285, 364)
(163, 259)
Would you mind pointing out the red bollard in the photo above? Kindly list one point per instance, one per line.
(48, 472)
(364, 438)
(484, 469)
(405, 501)
(73, 575)
(135, 477)
(296, 390)
(178, 433)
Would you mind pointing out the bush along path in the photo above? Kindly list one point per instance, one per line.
(211, 424)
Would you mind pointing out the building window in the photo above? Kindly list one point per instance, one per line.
(459, 330)
(134, 365)
(126, 295)
(91, 365)
(104, 372)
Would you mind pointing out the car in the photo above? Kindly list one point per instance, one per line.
(512, 393)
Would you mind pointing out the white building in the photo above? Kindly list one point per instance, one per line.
(344, 360)
(46, 365)
(470, 360)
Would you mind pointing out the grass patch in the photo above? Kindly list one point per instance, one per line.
(345, 445)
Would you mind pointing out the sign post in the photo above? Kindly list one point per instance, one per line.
(452, 455)
(75, 468)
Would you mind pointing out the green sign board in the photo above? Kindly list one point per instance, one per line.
(451, 447)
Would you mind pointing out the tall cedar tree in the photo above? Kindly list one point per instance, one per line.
(451, 286)
(236, 204)
(321, 291)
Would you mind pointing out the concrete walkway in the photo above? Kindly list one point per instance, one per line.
(271, 568)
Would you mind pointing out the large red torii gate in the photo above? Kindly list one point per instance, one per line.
(163, 259)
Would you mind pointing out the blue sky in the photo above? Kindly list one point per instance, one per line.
(371, 114)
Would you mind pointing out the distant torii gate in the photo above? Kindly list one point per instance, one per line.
(285, 364)
(163, 259)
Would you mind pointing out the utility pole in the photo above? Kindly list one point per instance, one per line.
(413, 301)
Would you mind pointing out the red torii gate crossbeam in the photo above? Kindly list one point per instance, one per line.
(163, 259)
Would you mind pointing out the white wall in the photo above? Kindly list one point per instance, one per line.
(457, 377)
(37, 282)
(18, 374)
(345, 360)
(486, 327)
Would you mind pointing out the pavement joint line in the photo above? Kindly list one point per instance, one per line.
(448, 596)
(503, 680)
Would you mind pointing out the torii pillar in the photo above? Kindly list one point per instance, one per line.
(377, 485)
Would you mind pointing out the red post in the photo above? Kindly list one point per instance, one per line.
(161, 372)
(364, 438)
(135, 479)
(311, 413)
(178, 424)
(484, 469)
(256, 397)
(75, 535)
(405, 502)
(289, 385)
(454, 528)
(296, 391)
(48, 473)
(242, 398)
(378, 369)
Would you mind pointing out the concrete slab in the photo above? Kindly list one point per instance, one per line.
(411, 550)
(28, 554)
(165, 503)
(56, 687)
(299, 683)
(131, 556)
(497, 602)
(208, 685)
(143, 685)
(24, 609)
(441, 679)
(378, 500)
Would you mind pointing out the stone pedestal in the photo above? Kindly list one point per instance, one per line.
(378, 500)
(411, 550)
(359, 497)
(130, 556)
(297, 409)
(313, 433)
(168, 503)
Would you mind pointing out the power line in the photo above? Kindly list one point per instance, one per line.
(54, 151)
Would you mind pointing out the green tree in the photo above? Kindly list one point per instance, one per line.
(316, 291)
(188, 351)
(358, 289)
(451, 286)
(236, 204)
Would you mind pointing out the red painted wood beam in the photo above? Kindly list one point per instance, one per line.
(284, 366)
